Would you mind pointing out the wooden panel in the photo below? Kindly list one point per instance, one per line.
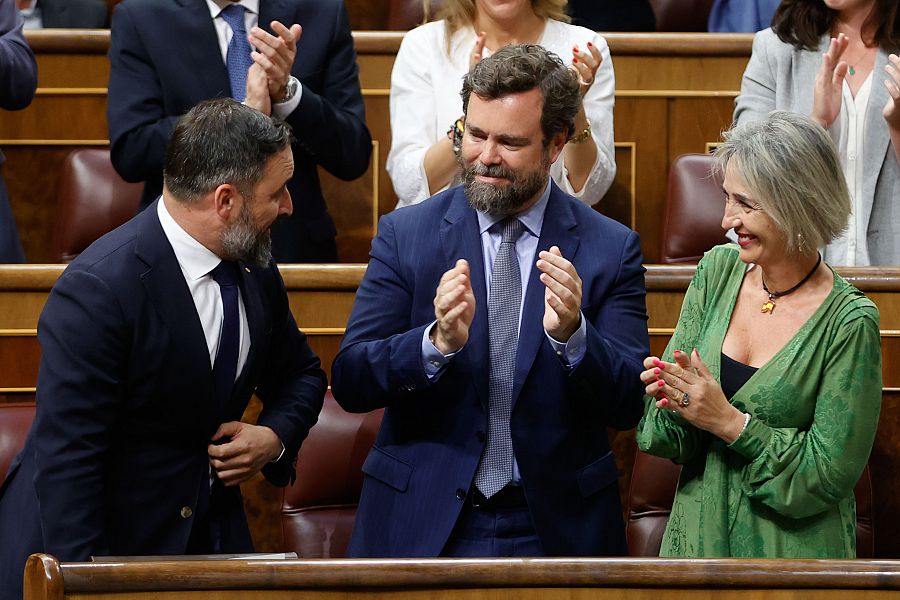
(321, 298)
(669, 87)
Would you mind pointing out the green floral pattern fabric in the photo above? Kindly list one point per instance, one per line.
(784, 488)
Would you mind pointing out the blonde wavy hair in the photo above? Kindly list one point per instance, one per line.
(459, 13)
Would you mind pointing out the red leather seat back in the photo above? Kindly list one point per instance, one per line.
(653, 484)
(694, 209)
(318, 511)
(93, 200)
(682, 15)
(15, 421)
(404, 15)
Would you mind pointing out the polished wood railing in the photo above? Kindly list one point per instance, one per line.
(452, 579)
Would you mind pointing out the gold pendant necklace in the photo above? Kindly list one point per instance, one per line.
(768, 306)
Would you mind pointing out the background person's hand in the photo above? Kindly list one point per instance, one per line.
(829, 81)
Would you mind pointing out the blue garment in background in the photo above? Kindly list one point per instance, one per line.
(742, 15)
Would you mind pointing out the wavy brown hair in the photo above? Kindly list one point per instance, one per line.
(801, 23)
(459, 13)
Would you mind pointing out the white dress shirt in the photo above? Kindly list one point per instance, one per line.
(850, 248)
(251, 19)
(196, 262)
(425, 101)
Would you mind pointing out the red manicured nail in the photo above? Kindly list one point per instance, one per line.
(663, 401)
(574, 60)
(661, 383)
(656, 361)
(678, 352)
(656, 371)
(590, 45)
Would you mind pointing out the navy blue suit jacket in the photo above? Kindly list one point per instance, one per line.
(165, 58)
(125, 406)
(18, 82)
(432, 435)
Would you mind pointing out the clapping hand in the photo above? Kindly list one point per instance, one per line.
(454, 309)
(892, 83)
(688, 388)
(562, 295)
(829, 81)
(477, 50)
(585, 65)
(275, 54)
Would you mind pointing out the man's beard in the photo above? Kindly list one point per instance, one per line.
(244, 242)
(504, 199)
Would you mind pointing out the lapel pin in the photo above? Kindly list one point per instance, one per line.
(247, 269)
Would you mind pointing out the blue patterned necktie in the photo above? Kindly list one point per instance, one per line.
(237, 59)
(504, 301)
(225, 366)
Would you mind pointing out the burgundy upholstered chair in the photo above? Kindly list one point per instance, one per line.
(318, 511)
(653, 484)
(694, 210)
(404, 15)
(15, 421)
(93, 200)
(682, 15)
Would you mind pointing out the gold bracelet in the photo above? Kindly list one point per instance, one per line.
(585, 134)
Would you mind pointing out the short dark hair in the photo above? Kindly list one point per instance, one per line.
(801, 23)
(221, 141)
(524, 67)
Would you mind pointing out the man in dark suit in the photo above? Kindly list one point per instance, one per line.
(18, 82)
(64, 14)
(167, 55)
(502, 325)
(153, 341)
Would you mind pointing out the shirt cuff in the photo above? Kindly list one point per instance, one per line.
(280, 456)
(571, 353)
(281, 110)
(433, 361)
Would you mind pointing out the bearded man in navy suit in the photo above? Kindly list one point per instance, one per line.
(168, 55)
(502, 324)
(153, 341)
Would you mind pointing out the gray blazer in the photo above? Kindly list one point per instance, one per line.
(781, 77)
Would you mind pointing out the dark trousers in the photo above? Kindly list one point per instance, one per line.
(485, 531)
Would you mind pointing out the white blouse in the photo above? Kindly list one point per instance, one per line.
(849, 133)
(425, 101)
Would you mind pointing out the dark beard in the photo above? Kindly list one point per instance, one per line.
(243, 242)
(502, 200)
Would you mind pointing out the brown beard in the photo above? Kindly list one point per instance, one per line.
(502, 200)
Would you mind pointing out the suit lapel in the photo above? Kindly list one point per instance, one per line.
(877, 138)
(170, 296)
(209, 68)
(558, 229)
(460, 239)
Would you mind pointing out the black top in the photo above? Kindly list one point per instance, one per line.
(734, 375)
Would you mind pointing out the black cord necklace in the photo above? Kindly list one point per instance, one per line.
(769, 305)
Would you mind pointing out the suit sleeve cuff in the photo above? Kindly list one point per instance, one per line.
(433, 361)
(281, 110)
(571, 353)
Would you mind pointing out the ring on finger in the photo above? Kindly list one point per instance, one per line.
(685, 399)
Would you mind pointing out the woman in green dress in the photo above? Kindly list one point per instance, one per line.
(769, 391)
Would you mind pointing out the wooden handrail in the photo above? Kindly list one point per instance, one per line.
(96, 41)
(374, 574)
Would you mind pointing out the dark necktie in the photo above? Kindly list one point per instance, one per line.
(504, 302)
(225, 366)
(237, 59)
